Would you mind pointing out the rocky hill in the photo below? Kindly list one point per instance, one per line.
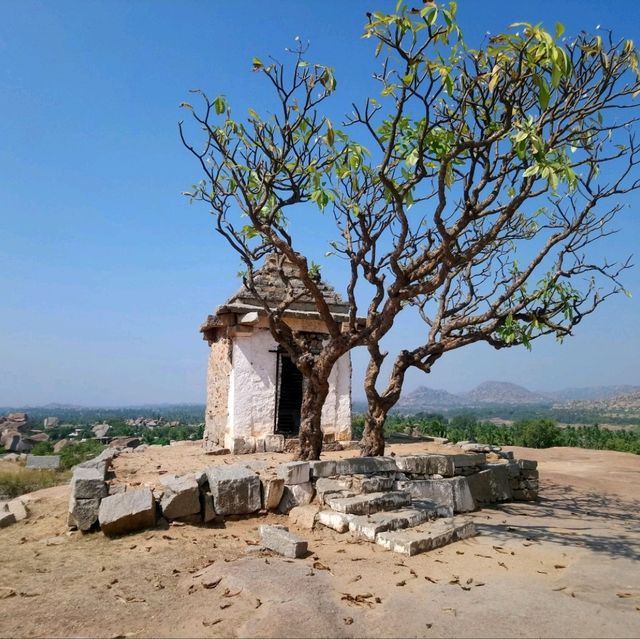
(433, 398)
(629, 402)
(503, 393)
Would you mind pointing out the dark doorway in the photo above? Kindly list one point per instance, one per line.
(289, 397)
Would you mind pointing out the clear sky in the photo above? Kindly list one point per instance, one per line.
(106, 272)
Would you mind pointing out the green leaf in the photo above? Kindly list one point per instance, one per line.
(531, 171)
(330, 136)
(559, 29)
(257, 64)
(219, 105)
(545, 93)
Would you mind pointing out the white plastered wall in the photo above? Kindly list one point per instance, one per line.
(252, 391)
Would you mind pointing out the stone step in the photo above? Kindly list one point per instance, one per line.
(427, 537)
(369, 503)
(368, 526)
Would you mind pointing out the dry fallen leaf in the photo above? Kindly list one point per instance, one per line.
(211, 623)
(320, 566)
(210, 584)
(348, 621)
(401, 583)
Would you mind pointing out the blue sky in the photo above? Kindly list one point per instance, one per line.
(106, 272)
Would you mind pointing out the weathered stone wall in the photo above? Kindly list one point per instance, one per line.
(218, 378)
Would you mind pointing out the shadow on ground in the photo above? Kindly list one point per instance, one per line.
(598, 522)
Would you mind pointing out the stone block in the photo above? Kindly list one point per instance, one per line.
(274, 443)
(279, 540)
(88, 483)
(243, 446)
(323, 468)
(127, 512)
(83, 513)
(527, 464)
(272, 491)
(365, 465)
(369, 504)
(426, 465)
(468, 460)
(326, 486)
(295, 495)
(490, 486)
(18, 508)
(452, 493)
(181, 497)
(6, 518)
(368, 526)
(295, 472)
(43, 462)
(304, 516)
(235, 489)
(428, 537)
(334, 520)
(371, 484)
(208, 511)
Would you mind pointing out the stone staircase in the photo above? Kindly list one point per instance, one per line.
(370, 508)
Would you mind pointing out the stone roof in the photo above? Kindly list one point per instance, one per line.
(271, 282)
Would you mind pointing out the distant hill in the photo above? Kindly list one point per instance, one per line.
(592, 393)
(628, 402)
(503, 393)
(508, 394)
(423, 397)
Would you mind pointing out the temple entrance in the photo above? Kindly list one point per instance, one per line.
(289, 397)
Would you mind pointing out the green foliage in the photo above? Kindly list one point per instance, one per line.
(77, 453)
(42, 448)
(531, 433)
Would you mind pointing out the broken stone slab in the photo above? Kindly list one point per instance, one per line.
(6, 518)
(426, 465)
(365, 465)
(279, 540)
(88, 483)
(208, 511)
(18, 508)
(368, 526)
(432, 509)
(304, 516)
(181, 497)
(43, 462)
(243, 446)
(326, 486)
(452, 493)
(272, 490)
(101, 462)
(323, 468)
(491, 486)
(235, 489)
(83, 513)
(274, 443)
(212, 448)
(371, 484)
(334, 520)
(295, 495)
(370, 503)
(295, 472)
(428, 537)
(527, 464)
(127, 512)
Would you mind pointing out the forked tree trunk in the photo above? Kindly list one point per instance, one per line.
(314, 393)
(372, 442)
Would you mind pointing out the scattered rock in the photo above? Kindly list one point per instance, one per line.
(43, 462)
(133, 510)
(304, 516)
(181, 497)
(235, 490)
(279, 540)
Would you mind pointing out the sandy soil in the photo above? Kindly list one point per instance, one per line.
(566, 566)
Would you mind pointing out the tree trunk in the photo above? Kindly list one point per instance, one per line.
(314, 393)
(372, 442)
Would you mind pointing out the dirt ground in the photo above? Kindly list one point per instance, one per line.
(566, 566)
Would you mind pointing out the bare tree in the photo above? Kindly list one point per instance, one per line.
(477, 205)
